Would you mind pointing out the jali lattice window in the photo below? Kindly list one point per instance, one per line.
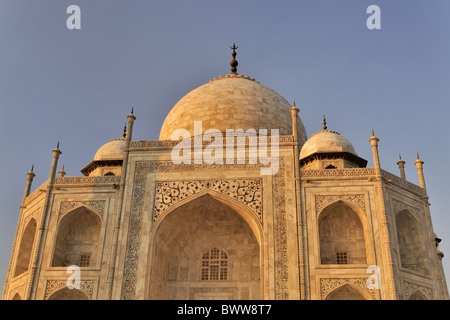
(341, 258)
(214, 265)
(85, 260)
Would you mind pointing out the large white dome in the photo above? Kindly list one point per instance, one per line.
(232, 102)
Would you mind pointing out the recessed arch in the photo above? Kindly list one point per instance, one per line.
(182, 235)
(78, 238)
(342, 236)
(68, 294)
(26, 248)
(417, 295)
(16, 297)
(245, 212)
(348, 292)
(411, 242)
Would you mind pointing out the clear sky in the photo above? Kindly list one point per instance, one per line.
(78, 86)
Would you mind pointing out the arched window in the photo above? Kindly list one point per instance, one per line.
(25, 250)
(341, 235)
(109, 174)
(411, 243)
(214, 265)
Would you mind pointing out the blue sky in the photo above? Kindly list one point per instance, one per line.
(77, 86)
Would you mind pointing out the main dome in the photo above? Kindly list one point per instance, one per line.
(232, 102)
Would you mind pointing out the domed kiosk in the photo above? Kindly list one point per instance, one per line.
(329, 150)
(107, 160)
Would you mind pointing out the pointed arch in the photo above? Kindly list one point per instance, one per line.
(245, 212)
(411, 242)
(16, 297)
(202, 241)
(68, 294)
(26, 248)
(348, 292)
(417, 295)
(342, 234)
(78, 237)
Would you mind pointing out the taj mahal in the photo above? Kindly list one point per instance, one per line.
(264, 213)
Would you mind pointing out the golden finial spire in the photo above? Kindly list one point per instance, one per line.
(324, 123)
(234, 63)
(124, 131)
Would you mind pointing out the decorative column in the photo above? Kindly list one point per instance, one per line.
(112, 264)
(419, 165)
(31, 294)
(401, 166)
(386, 250)
(30, 177)
(300, 217)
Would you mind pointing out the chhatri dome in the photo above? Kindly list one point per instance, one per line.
(113, 150)
(232, 102)
(332, 149)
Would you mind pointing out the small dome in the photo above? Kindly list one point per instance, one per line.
(112, 150)
(326, 141)
(232, 102)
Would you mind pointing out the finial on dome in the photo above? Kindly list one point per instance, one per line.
(32, 168)
(124, 131)
(418, 156)
(324, 123)
(234, 63)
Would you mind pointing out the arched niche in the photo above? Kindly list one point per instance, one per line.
(26, 248)
(78, 238)
(68, 294)
(16, 297)
(411, 243)
(341, 235)
(347, 292)
(417, 295)
(183, 241)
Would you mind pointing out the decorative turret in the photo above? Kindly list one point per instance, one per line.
(401, 165)
(30, 177)
(419, 165)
